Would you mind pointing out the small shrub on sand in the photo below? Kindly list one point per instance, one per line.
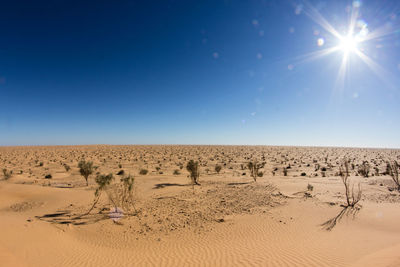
(193, 168)
(363, 169)
(7, 174)
(218, 168)
(143, 171)
(48, 176)
(119, 194)
(352, 197)
(394, 173)
(176, 172)
(86, 169)
(67, 167)
(121, 172)
(254, 168)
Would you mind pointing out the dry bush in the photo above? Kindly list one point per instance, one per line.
(393, 170)
(352, 197)
(86, 169)
(193, 168)
(218, 168)
(363, 169)
(143, 171)
(67, 167)
(254, 168)
(121, 194)
(7, 174)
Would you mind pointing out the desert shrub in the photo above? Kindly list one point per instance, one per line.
(310, 187)
(260, 174)
(102, 181)
(120, 166)
(323, 169)
(323, 174)
(284, 171)
(41, 164)
(363, 169)
(176, 172)
(143, 171)
(67, 167)
(218, 168)
(7, 174)
(86, 169)
(254, 168)
(352, 197)
(121, 172)
(193, 168)
(394, 173)
(121, 194)
(303, 174)
(48, 176)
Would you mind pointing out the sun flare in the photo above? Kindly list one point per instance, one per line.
(348, 44)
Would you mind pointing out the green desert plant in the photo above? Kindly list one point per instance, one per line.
(86, 169)
(119, 194)
(176, 172)
(193, 168)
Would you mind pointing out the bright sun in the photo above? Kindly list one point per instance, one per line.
(348, 44)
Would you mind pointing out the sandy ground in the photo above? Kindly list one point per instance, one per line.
(228, 220)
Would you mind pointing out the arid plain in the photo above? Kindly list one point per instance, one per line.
(293, 212)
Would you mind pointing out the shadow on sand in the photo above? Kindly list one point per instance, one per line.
(67, 217)
(346, 211)
(159, 186)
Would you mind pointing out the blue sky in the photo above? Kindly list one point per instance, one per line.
(199, 72)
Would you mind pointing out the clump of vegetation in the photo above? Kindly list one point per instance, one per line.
(86, 168)
(67, 167)
(7, 174)
(193, 168)
(363, 169)
(41, 164)
(121, 172)
(352, 197)
(254, 168)
(285, 171)
(310, 187)
(303, 174)
(176, 172)
(48, 176)
(119, 194)
(218, 168)
(143, 171)
(393, 169)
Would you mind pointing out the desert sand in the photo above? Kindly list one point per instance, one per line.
(229, 219)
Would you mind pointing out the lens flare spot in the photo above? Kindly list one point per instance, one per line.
(348, 44)
(320, 41)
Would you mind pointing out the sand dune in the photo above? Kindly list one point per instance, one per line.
(228, 220)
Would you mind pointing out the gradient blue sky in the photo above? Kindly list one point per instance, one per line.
(196, 72)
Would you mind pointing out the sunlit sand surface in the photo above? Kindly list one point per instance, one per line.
(228, 220)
